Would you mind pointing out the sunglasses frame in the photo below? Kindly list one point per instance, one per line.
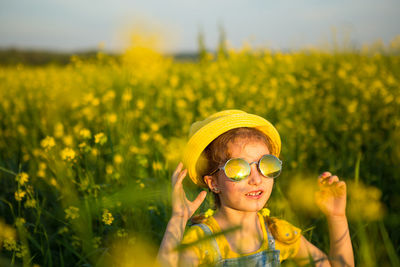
(256, 162)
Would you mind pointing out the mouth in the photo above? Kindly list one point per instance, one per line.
(254, 194)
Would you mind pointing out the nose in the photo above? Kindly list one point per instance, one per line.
(255, 177)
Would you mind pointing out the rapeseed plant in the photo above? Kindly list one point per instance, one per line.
(121, 124)
(107, 217)
(48, 142)
(100, 139)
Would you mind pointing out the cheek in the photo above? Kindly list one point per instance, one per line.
(269, 185)
(225, 186)
(228, 187)
(234, 189)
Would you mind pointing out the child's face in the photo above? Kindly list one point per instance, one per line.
(252, 193)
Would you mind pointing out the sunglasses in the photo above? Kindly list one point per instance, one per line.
(238, 169)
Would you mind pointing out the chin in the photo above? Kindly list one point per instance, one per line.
(253, 207)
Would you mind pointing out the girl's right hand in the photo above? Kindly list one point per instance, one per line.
(181, 206)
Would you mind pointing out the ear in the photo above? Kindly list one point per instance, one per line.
(212, 183)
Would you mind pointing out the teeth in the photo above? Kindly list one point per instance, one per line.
(254, 193)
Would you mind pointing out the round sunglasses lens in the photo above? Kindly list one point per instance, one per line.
(237, 169)
(270, 166)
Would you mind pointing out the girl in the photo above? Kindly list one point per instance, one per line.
(235, 155)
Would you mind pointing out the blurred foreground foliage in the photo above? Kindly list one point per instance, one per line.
(87, 149)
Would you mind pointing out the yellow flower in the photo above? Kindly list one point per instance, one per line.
(134, 149)
(112, 118)
(71, 213)
(41, 173)
(42, 166)
(59, 130)
(22, 178)
(122, 233)
(68, 140)
(159, 138)
(21, 251)
(95, 152)
(157, 165)
(19, 195)
(30, 203)
(6, 232)
(48, 142)
(209, 213)
(25, 157)
(174, 80)
(85, 133)
(10, 244)
(107, 217)
(63, 230)
(88, 97)
(364, 202)
(68, 154)
(109, 169)
(21, 129)
(154, 127)
(53, 182)
(100, 138)
(109, 95)
(76, 241)
(96, 241)
(144, 137)
(181, 103)
(127, 96)
(140, 104)
(118, 159)
(20, 221)
(95, 102)
(83, 147)
(265, 212)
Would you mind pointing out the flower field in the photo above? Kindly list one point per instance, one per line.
(87, 150)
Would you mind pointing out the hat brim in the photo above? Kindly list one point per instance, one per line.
(204, 136)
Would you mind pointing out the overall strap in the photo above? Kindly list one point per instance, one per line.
(271, 240)
(214, 243)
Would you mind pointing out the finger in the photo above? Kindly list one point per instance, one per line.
(325, 174)
(178, 168)
(341, 187)
(176, 173)
(338, 192)
(332, 179)
(199, 199)
(181, 176)
(324, 181)
(341, 184)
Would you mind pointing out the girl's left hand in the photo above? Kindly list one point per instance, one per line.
(331, 197)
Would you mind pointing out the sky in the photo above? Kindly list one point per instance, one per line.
(78, 25)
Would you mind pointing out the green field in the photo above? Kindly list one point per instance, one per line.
(87, 149)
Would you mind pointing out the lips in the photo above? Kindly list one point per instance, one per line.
(256, 194)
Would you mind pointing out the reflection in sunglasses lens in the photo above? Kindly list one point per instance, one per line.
(270, 166)
(237, 169)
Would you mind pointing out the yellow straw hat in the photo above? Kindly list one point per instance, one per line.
(202, 133)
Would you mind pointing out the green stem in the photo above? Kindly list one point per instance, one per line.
(394, 258)
(357, 170)
(7, 171)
